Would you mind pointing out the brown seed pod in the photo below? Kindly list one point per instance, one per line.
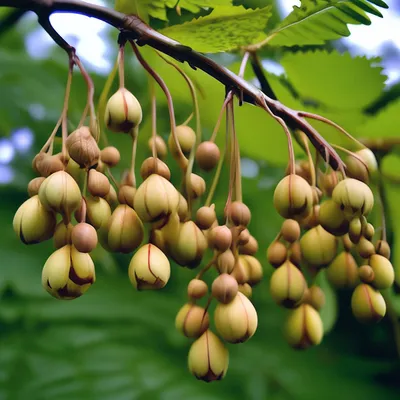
(84, 237)
(207, 155)
(382, 247)
(126, 194)
(290, 230)
(98, 183)
(110, 155)
(250, 248)
(127, 178)
(205, 217)
(186, 138)
(295, 254)
(365, 248)
(197, 186)
(225, 262)
(82, 147)
(220, 238)
(238, 213)
(366, 274)
(243, 237)
(224, 288)
(312, 219)
(50, 164)
(154, 166)
(37, 160)
(62, 235)
(34, 186)
(192, 320)
(197, 289)
(161, 146)
(277, 253)
(100, 167)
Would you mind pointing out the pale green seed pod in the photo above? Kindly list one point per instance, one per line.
(60, 193)
(125, 230)
(208, 358)
(62, 235)
(287, 285)
(67, 273)
(362, 165)
(98, 212)
(383, 272)
(192, 320)
(342, 272)
(304, 327)
(293, 197)
(186, 138)
(367, 304)
(33, 223)
(332, 218)
(236, 321)
(354, 197)
(318, 247)
(155, 199)
(123, 112)
(78, 173)
(149, 268)
(240, 270)
(254, 269)
(365, 248)
(355, 230)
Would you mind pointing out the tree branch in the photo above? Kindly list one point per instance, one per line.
(134, 28)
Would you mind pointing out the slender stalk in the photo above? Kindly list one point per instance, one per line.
(64, 127)
(228, 98)
(121, 65)
(310, 160)
(135, 135)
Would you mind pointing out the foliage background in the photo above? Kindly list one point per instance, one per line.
(115, 343)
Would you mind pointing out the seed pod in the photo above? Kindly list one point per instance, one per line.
(37, 160)
(186, 138)
(79, 174)
(236, 321)
(60, 193)
(246, 290)
(238, 213)
(226, 262)
(125, 230)
(111, 197)
(361, 165)
(382, 248)
(183, 209)
(316, 297)
(302, 168)
(82, 147)
(208, 359)
(207, 155)
(192, 320)
(170, 231)
(304, 327)
(197, 289)
(67, 273)
(149, 268)
(49, 164)
(157, 238)
(100, 167)
(290, 230)
(98, 184)
(161, 147)
(84, 237)
(312, 219)
(328, 182)
(277, 253)
(34, 186)
(33, 223)
(197, 186)
(369, 231)
(154, 166)
(355, 230)
(250, 248)
(190, 246)
(383, 271)
(354, 197)
(366, 274)
(220, 238)
(365, 248)
(243, 237)
(156, 198)
(347, 243)
(123, 112)
(287, 285)
(126, 195)
(342, 272)
(332, 218)
(224, 288)
(98, 212)
(205, 217)
(62, 235)
(110, 155)
(240, 271)
(254, 270)
(367, 304)
(293, 197)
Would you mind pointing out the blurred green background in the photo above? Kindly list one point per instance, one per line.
(116, 343)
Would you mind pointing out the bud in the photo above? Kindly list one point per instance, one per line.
(155, 199)
(243, 237)
(276, 253)
(183, 209)
(342, 272)
(157, 238)
(170, 231)
(224, 288)
(152, 166)
(34, 186)
(246, 290)
(60, 193)
(295, 255)
(84, 237)
(205, 217)
(383, 271)
(149, 268)
(33, 223)
(347, 243)
(250, 248)
(304, 327)
(382, 248)
(37, 160)
(355, 230)
(240, 271)
(302, 168)
(111, 197)
(366, 274)
(161, 147)
(62, 235)
(354, 197)
(207, 155)
(110, 155)
(197, 289)
(197, 186)
(208, 358)
(186, 138)
(98, 212)
(226, 262)
(48, 164)
(123, 112)
(254, 270)
(125, 230)
(220, 238)
(287, 285)
(332, 218)
(365, 248)
(67, 273)
(361, 165)
(238, 213)
(126, 195)
(293, 197)
(290, 230)
(192, 320)
(82, 147)
(367, 304)
(316, 297)
(328, 182)
(318, 247)
(98, 184)
(369, 231)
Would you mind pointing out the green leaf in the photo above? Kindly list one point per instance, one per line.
(317, 21)
(194, 6)
(335, 80)
(233, 27)
(139, 7)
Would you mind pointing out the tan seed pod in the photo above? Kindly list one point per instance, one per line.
(365, 248)
(383, 271)
(84, 237)
(82, 147)
(332, 218)
(161, 146)
(250, 248)
(316, 297)
(302, 168)
(50, 164)
(369, 231)
(254, 269)
(207, 155)
(243, 237)
(197, 289)
(224, 288)
(246, 289)
(277, 253)
(126, 195)
(361, 165)
(110, 156)
(366, 274)
(197, 186)
(111, 197)
(220, 238)
(100, 167)
(240, 270)
(295, 256)
(127, 178)
(192, 320)
(34, 186)
(290, 230)
(154, 166)
(37, 160)
(238, 213)
(347, 243)
(205, 217)
(342, 272)
(183, 208)
(62, 235)
(367, 304)
(157, 238)
(382, 247)
(98, 183)
(186, 138)
(225, 262)
(328, 182)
